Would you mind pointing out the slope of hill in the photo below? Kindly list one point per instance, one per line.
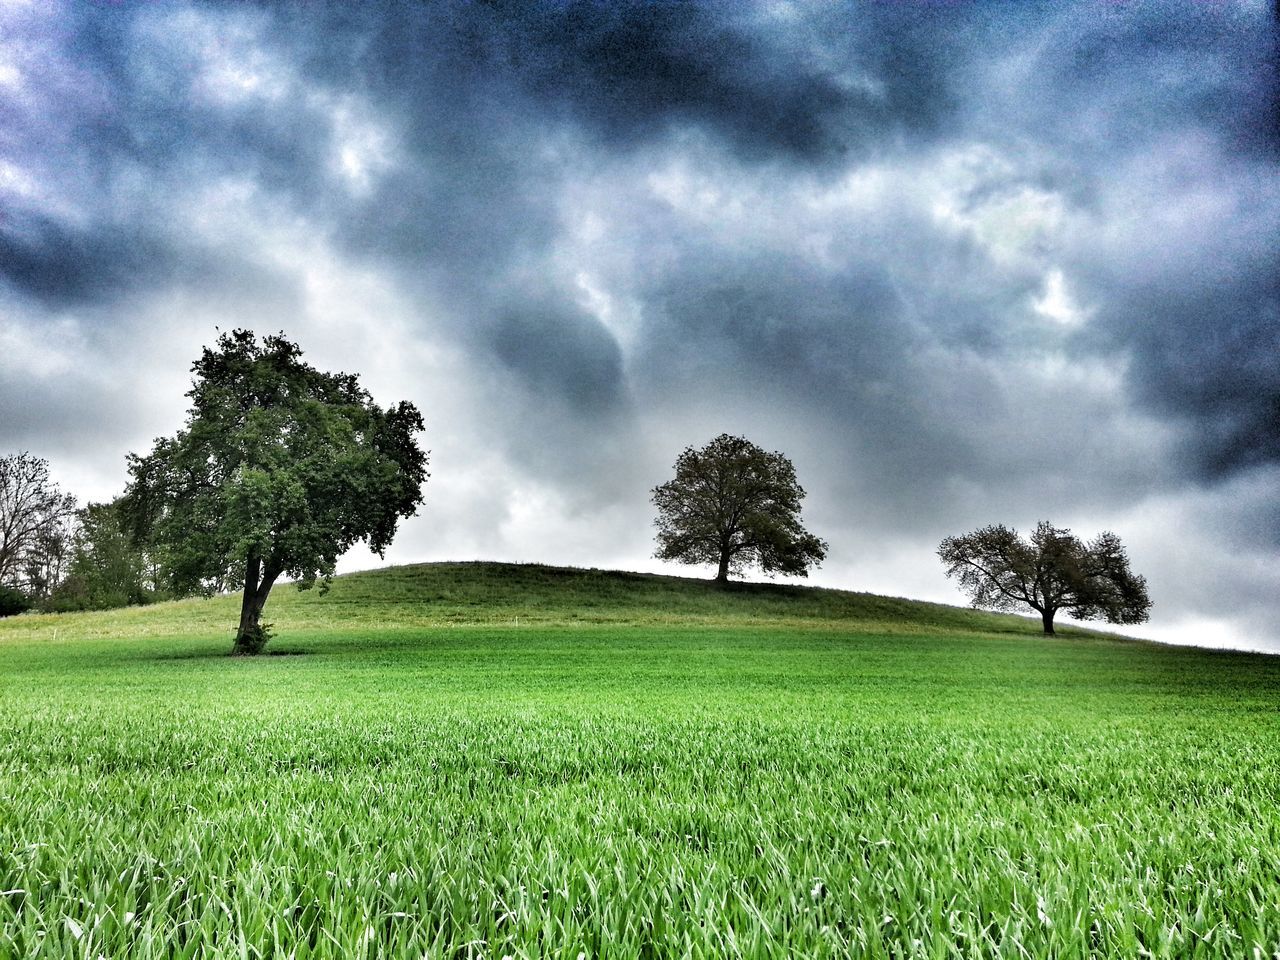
(485, 760)
(479, 593)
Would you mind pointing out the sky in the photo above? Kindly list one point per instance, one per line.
(963, 263)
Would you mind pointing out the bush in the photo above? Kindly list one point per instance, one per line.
(87, 591)
(13, 601)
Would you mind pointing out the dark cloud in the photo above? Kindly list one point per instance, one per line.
(1190, 294)
(60, 264)
(67, 265)
(633, 72)
(1210, 357)
(561, 353)
(1163, 67)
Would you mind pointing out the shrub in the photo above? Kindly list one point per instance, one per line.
(13, 601)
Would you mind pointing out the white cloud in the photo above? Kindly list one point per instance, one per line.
(981, 191)
(1056, 302)
(363, 147)
(235, 62)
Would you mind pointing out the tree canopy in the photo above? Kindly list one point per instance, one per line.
(735, 505)
(280, 470)
(1051, 571)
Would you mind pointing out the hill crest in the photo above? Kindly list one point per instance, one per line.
(498, 594)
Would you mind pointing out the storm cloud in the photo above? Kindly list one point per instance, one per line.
(964, 264)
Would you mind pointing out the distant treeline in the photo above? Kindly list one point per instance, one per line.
(56, 556)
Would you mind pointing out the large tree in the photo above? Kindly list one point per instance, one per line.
(280, 470)
(34, 516)
(1051, 571)
(735, 505)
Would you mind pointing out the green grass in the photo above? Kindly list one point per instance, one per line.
(479, 760)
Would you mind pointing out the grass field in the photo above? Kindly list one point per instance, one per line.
(489, 761)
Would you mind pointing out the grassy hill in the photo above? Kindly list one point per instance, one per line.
(507, 594)
(497, 760)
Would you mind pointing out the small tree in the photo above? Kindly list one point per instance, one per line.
(1052, 571)
(734, 505)
(107, 569)
(49, 558)
(34, 515)
(280, 470)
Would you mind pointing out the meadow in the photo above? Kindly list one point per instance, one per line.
(483, 760)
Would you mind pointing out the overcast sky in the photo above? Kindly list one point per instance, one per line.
(964, 264)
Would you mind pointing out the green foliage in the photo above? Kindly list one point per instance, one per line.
(1053, 570)
(251, 640)
(760, 771)
(108, 568)
(280, 470)
(13, 602)
(735, 505)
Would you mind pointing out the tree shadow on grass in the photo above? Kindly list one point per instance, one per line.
(221, 652)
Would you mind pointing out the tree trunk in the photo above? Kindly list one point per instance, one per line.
(252, 636)
(1046, 617)
(722, 575)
